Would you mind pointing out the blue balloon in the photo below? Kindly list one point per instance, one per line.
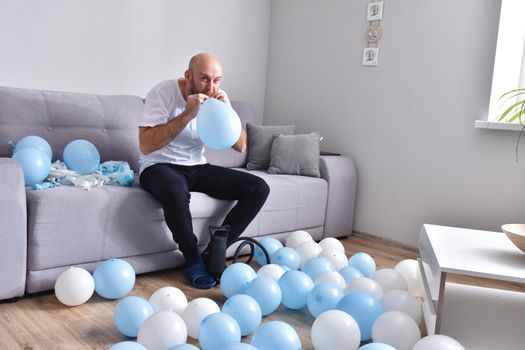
(81, 156)
(323, 297)
(235, 279)
(35, 142)
(245, 310)
(240, 346)
(364, 263)
(128, 345)
(271, 245)
(295, 286)
(35, 165)
(218, 330)
(266, 292)
(183, 347)
(276, 335)
(286, 256)
(114, 278)
(218, 124)
(350, 273)
(317, 265)
(130, 313)
(364, 309)
(377, 346)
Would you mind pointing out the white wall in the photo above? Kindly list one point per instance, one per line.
(127, 46)
(407, 123)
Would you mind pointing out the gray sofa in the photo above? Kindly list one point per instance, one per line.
(42, 232)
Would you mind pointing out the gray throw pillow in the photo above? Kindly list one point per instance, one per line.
(260, 139)
(295, 155)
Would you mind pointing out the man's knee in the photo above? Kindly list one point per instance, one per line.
(262, 189)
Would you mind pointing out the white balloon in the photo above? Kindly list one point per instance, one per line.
(195, 312)
(308, 250)
(438, 342)
(331, 277)
(74, 286)
(397, 329)
(337, 258)
(389, 279)
(162, 330)
(272, 271)
(335, 330)
(402, 300)
(169, 298)
(365, 284)
(295, 238)
(331, 242)
(409, 269)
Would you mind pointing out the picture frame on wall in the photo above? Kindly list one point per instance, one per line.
(375, 11)
(370, 56)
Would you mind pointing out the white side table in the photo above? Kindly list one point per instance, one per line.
(464, 252)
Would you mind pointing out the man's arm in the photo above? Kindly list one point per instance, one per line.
(155, 137)
(240, 145)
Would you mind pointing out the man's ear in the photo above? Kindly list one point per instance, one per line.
(187, 75)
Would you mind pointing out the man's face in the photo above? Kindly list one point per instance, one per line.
(205, 79)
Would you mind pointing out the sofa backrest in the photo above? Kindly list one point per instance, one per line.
(109, 122)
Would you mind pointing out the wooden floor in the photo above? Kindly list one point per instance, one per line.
(42, 322)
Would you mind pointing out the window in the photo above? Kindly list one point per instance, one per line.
(509, 65)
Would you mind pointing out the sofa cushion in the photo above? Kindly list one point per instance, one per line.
(69, 226)
(260, 140)
(295, 155)
(295, 203)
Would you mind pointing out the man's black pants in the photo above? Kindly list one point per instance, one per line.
(171, 184)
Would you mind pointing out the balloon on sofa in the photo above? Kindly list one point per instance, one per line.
(35, 165)
(81, 156)
(36, 142)
(218, 124)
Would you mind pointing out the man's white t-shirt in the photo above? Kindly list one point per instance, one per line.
(163, 103)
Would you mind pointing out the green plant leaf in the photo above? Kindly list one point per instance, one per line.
(516, 116)
(520, 92)
(510, 109)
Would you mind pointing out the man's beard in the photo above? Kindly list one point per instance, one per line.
(192, 87)
(194, 91)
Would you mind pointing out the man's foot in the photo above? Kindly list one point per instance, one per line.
(198, 275)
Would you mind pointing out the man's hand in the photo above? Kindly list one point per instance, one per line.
(193, 104)
(219, 96)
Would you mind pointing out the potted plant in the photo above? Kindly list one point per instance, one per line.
(515, 112)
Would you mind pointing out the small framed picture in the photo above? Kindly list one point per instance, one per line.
(370, 56)
(375, 11)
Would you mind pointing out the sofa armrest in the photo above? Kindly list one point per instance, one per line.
(340, 173)
(13, 229)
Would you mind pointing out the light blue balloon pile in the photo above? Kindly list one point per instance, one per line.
(294, 289)
(35, 155)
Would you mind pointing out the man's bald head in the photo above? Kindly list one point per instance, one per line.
(203, 59)
(204, 74)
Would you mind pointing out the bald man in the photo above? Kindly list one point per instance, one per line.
(172, 164)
